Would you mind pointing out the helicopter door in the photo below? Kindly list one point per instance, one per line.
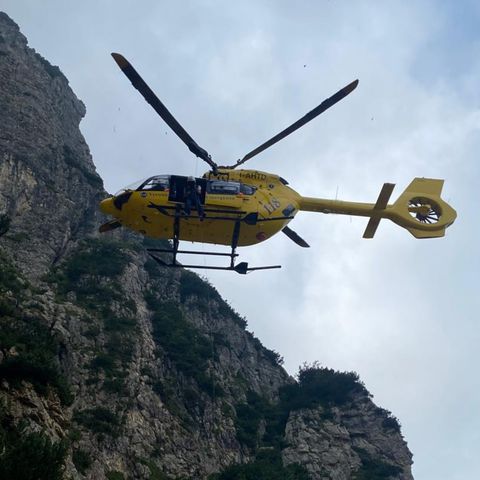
(178, 188)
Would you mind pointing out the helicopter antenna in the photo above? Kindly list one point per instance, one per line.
(161, 109)
(326, 104)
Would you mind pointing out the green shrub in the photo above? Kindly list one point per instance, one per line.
(82, 461)
(114, 475)
(273, 356)
(390, 422)
(97, 258)
(30, 456)
(35, 359)
(155, 472)
(267, 466)
(191, 284)
(373, 469)
(74, 435)
(248, 418)
(115, 385)
(115, 357)
(319, 386)
(90, 272)
(10, 280)
(120, 348)
(4, 224)
(105, 362)
(316, 386)
(98, 420)
(120, 324)
(92, 332)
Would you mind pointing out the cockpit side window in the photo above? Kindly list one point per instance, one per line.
(218, 187)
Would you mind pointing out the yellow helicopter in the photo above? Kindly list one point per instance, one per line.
(237, 207)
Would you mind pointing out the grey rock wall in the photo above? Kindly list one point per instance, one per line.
(50, 187)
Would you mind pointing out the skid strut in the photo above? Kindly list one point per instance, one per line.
(241, 267)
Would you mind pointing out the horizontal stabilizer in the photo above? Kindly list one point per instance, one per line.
(112, 225)
(295, 237)
(381, 204)
(372, 226)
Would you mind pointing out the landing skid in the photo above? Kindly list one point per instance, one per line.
(241, 268)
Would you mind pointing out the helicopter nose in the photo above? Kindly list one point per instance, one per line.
(107, 206)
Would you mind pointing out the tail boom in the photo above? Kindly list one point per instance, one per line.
(419, 209)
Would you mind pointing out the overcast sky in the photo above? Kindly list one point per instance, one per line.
(401, 312)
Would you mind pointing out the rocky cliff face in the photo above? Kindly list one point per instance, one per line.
(111, 367)
(50, 187)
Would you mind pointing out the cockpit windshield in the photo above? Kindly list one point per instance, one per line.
(132, 186)
(158, 182)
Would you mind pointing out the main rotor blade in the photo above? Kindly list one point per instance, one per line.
(294, 236)
(159, 107)
(329, 102)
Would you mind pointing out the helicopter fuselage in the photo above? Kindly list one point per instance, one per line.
(262, 203)
(246, 207)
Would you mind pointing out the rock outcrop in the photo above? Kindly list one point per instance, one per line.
(359, 437)
(114, 368)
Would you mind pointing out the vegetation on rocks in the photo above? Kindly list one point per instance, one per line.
(29, 455)
(191, 285)
(4, 224)
(185, 346)
(316, 387)
(373, 468)
(10, 279)
(82, 460)
(93, 274)
(30, 350)
(319, 386)
(114, 475)
(267, 466)
(98, 420)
